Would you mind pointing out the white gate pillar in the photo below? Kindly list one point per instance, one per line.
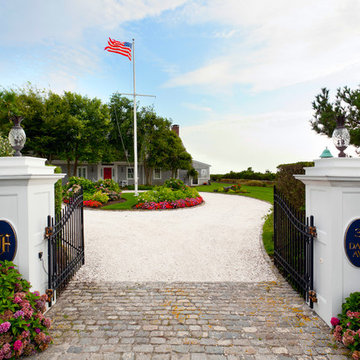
(333, 197)
(26, 199)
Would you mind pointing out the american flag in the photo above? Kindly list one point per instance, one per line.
(118, 47)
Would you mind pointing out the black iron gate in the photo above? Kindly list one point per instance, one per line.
(293, 246)
(65, 236)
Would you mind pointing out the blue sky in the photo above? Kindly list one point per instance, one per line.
(237, 76)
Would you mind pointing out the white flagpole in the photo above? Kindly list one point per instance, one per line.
(135, 126)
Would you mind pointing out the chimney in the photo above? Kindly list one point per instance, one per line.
(175, 129)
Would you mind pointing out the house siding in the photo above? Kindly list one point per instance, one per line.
(120, 173)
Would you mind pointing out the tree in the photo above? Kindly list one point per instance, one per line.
(69, 127)
(5, 147)
(345, 106)
(154, 131)
(176, 156)
(81, 125)
(121, 133)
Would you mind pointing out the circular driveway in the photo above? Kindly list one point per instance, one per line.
(217, 241)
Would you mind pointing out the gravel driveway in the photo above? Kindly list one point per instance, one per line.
(217, 241)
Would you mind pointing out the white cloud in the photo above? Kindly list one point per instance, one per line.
(197, 107)
(283, 43)
(40, 21)
(262, 142)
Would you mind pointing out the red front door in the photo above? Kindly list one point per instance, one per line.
(107, 173)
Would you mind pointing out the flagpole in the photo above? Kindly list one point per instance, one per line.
(135, 126)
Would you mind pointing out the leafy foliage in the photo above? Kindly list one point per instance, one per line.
(163, 193)
(101, 191)
(347, 325)
(58, 193)
(249, 173)
(23, 327)
(346, 106)
(291, 188)
(5, 147)
(175, 184)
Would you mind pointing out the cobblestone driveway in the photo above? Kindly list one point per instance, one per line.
(188, 317)
(190, 321)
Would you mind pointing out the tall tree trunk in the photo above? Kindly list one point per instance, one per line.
(75, 165)
(68, 167)
(148, 172)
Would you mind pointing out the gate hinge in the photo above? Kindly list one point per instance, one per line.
(50, 294)
(312, 231)
(312, 296)
(49, 231)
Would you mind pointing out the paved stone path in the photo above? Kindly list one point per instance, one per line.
(185, 317)
(188, 321)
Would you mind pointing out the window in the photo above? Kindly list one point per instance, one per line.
(195, 180)
(82, 171)
(203, 172)
(130, 173)
(157, 174)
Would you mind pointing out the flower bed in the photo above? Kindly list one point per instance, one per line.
(346, 327)
(95, 194)
(23, 327)
(92, 203)
(182, 203)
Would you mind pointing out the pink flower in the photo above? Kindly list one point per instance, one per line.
(6, 351)
(17, 300)
(334, 321)
(356, 355)
(338, 333)
(37, 330)
(18, 345)
(18, 314)
(4, 327)
(47, 322)
(25, 334)
(348, 337)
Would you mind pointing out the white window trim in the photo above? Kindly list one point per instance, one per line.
(154, 172)
(203, 173)
(127, 173)
(81, 168)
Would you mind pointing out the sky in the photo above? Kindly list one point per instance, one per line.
(238, 76)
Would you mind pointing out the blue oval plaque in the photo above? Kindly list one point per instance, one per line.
(352, 242)
(8, 241)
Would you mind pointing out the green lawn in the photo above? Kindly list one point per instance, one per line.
(267, 235)
(257, 192)
(131, 200)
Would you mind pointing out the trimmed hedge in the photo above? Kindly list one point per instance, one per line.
(58, 193)
(292, 189)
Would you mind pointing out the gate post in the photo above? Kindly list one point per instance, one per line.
(333, 197)
(26, 199)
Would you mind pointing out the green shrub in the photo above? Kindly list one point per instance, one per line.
(291, 188)
(86, 184)
(5, 147)
(215, 177)
(58, 194)
(108, 184)
(175, 184)
(163, 193)
(23, 327)
(347, 326)
(100, 196)
(255, 183)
